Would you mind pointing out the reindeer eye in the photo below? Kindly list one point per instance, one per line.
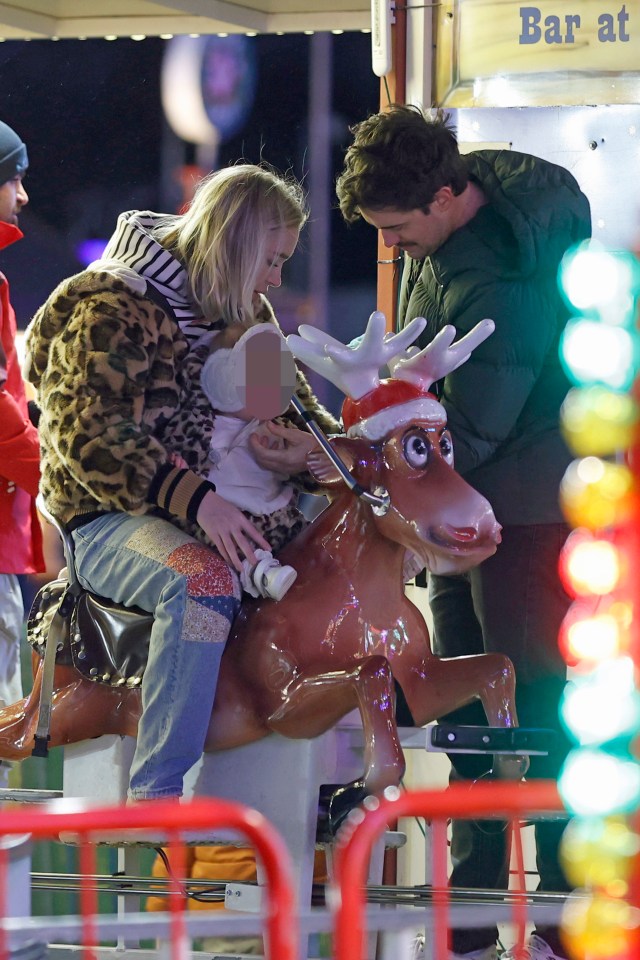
(446, 447)
(416, 450)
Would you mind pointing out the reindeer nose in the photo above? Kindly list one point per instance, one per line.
(492, 530)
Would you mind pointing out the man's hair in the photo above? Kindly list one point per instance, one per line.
(399, 158)
(222, 238)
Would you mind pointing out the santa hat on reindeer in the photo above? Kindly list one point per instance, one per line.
(373, 406)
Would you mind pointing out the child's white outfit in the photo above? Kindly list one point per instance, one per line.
(234, 471)
(243, 482)
(237, 476)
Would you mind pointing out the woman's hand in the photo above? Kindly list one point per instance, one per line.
(177, 461)
(231, 533)
(282, 449)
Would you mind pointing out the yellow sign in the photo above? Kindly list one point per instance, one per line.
(554, 52)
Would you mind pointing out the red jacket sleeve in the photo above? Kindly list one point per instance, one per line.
(19, 447)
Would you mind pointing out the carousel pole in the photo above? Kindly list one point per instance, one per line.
(389, 57)
(389, 60)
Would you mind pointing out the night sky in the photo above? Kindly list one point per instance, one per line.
(90, 114)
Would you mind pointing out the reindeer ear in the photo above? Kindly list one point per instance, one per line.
(323, 470)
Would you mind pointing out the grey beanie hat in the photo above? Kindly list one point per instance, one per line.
(13, 154)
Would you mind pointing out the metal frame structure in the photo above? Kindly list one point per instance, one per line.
(352, 910)
(55, 19)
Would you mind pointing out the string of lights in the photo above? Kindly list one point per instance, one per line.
(600, 781)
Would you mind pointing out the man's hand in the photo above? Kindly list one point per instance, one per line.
(282, 449)
(232, 534)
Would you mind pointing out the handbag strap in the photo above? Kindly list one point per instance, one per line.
(60, 625)
(55, 636)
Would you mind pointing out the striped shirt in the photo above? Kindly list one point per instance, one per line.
(133, 245)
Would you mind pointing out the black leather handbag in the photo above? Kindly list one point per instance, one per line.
(105, 641)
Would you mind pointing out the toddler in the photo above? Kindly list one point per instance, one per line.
(248, 378)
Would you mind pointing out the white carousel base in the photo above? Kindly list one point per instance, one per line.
(277, 776)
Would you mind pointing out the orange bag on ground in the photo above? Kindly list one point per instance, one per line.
(224, 863)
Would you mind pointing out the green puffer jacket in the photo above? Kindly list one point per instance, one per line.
(503, 404)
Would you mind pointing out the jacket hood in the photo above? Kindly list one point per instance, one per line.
(133, 244)
(132, 261)
(53, 316)
(535, 211)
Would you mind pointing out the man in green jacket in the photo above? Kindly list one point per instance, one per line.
(483, 236)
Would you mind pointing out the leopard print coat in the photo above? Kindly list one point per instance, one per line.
(109, 369)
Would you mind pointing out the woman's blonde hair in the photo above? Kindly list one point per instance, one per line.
(222, 238)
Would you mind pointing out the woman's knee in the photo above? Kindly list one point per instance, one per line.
(204, 571)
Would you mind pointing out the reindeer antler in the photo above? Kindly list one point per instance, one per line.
(374, 407)
(354, 370)
(440, 357)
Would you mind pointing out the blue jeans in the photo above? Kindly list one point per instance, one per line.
(11, 625)
(148, 562)
(513, 603)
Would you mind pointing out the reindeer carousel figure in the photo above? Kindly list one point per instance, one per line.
(345, 632)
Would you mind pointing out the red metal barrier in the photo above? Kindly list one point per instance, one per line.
(171, 820)
(509, 801)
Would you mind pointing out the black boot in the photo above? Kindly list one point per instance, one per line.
(335, 803)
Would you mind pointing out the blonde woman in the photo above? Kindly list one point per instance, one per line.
(108, 355)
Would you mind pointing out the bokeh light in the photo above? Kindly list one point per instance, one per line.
(598, 421)
(599, 852)
(594, 279)
(595, 493)
(595, 630)
(595, 353)
(594, 783)
(590, 565)
(611, 685)
(600, 927)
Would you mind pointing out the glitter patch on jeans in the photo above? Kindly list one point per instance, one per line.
(157, 539)
(213, 593)
(202, 624)
(207, 574)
